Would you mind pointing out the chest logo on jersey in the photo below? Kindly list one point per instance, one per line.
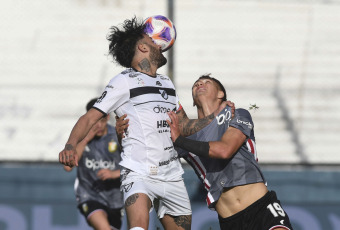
(164, 94)
(158, 83)
(222, 118)
(99, 164)
(163, 126)
(112, 146)
(160, 109)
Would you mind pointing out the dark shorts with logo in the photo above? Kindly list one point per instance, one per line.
(265, 214)
(114, 215)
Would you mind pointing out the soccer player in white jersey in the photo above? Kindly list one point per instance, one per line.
(223, 154)
(152, 174)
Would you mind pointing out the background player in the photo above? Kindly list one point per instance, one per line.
(97, 186)
(236, 186)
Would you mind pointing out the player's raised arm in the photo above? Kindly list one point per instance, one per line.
(68, 156)
(190, 126)
(228, 145)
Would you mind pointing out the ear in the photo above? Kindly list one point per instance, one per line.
(142, 47)
(220, 94)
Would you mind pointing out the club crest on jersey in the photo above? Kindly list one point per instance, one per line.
(158, 83)
(164, 94)
(112, 147)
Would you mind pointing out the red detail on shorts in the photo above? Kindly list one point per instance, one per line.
(279, 226)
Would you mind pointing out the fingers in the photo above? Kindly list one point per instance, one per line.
(68, 158)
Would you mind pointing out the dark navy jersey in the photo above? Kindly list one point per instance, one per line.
(99, 153)
(242, 168)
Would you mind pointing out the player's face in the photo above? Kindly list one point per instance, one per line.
(156, 56)
(204, 89)
(100, 127)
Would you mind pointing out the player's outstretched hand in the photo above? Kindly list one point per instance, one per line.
(68, 156)
(173, 123)
(105, 174)
(121, 125)
(223, 105)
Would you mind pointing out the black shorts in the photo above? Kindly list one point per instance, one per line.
(265, 214)
(114, 215)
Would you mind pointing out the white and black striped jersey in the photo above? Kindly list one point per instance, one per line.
(242, 168)
(147, 146)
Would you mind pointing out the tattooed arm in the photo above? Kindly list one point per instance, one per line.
(190, 126)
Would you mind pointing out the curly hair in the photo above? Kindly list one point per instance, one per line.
(122, 42)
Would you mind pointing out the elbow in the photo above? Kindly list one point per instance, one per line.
(225, 154)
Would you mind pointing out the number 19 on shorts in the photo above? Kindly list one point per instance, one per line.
(276, 210)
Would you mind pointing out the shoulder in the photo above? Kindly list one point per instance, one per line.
(242, 112)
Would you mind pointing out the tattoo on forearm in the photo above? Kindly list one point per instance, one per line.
(183, 221)
(145, 65)
(193, 126)
(68, 147)
(131, 200)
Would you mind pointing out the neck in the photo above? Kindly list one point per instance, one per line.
(145, 66)
(206, 108)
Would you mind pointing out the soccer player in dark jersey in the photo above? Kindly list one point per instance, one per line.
(152, 173)
(223, 154)
(97, 186)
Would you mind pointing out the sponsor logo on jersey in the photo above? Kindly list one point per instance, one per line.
(133, 75)
(160, 109)
(164, 94)
(158, 83)
(101, 97)
(127, 187)
(127, 71)
(163, 126)
(110, 86)
(222, 118)
(161, 163)
(168, 148)
(164, 78)
(112, 146)
(153, 170)
(250, 126)
(94, 165)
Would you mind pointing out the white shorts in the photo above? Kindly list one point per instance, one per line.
(168, 197)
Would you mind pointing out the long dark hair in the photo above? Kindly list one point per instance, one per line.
(122, 42)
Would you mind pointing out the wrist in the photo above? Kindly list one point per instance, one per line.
(69, 146)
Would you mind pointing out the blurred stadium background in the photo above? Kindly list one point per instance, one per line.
(280, 55)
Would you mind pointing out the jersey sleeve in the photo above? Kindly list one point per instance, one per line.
(242, 121)
(178, 104)
(115, 94)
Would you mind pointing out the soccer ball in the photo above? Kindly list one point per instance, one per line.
(161, 30)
